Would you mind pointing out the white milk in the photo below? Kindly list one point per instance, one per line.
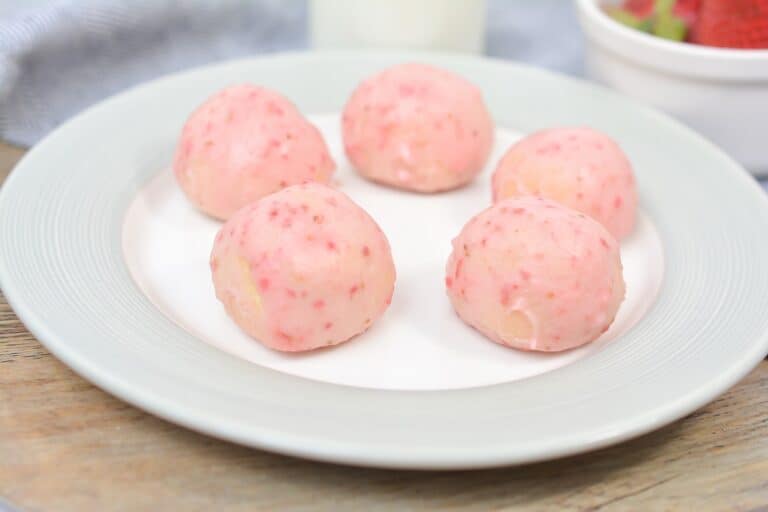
(442, 25)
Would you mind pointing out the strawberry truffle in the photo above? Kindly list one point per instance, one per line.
(532, 274)
(578, 167)
(418, 128)
(244, 143)
(303, 268)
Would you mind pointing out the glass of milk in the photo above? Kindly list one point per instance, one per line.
(441, 25)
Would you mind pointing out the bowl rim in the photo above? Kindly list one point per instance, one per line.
(672, 56)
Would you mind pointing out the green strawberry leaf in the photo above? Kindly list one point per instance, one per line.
(664, 7)
(670, 27)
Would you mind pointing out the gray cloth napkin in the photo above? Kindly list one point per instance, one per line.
(60, 57)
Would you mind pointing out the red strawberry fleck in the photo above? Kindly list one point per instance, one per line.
(504, 300)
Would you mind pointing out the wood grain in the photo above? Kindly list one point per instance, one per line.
(67, 446)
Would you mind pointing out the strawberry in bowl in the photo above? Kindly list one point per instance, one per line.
(732, 24)
(720, 23)
(703, 61)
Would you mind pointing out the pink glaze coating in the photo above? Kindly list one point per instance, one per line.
(303, 268)
(418, 128)
(532, 274)
(244, 143)
(579, 167)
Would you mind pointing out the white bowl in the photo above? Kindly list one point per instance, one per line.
(722, 93)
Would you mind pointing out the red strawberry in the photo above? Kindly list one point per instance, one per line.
(732, 24)
(687, 10)
(640, 8)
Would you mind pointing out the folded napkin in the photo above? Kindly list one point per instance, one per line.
(62, 55)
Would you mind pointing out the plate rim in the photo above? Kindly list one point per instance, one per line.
(342, 451)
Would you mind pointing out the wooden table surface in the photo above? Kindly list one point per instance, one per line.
(65, 445)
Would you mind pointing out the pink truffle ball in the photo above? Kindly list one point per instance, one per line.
(418, 128)
(578, 167)
(532, 274)
(303, 268)
(244, 143)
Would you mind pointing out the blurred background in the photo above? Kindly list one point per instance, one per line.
(60, 56)
(57, 57)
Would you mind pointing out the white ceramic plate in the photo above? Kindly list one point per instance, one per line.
(420, 343)
(104, 261)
